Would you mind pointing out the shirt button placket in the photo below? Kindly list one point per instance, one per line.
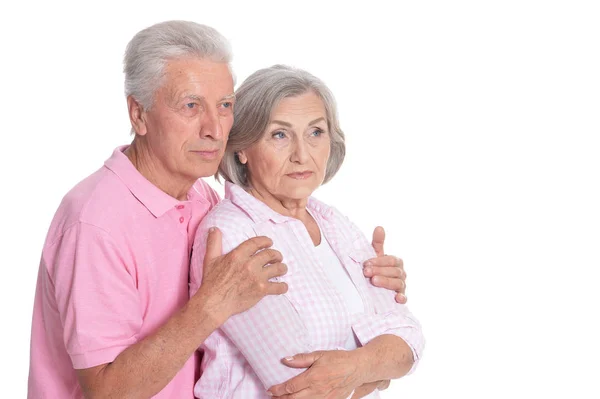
(179, 208)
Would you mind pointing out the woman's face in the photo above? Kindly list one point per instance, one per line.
(290, 160)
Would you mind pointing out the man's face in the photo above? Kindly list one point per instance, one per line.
(186, 128)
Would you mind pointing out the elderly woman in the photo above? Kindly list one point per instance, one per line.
(285, 142)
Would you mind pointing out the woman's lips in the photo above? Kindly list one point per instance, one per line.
(300, 175)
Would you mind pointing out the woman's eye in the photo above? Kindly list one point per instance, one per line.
(279, 135)
(317, 132)
(227, 105)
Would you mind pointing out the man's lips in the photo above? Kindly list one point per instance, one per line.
(207, 154)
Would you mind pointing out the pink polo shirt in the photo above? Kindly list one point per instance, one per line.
(114, 268)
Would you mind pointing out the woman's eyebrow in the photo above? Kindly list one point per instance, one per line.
(286, 124)
(316, 121)
(282, 123)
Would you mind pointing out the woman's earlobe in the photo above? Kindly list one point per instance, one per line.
(242, 157)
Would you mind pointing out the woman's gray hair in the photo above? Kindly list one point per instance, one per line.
(150, 49)
(256, 99)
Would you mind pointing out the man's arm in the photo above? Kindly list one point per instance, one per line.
(231, 284)
(386, 271)
(146, 367)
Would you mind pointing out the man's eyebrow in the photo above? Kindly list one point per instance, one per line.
(192, 97)
(229, 97)
(202, 98)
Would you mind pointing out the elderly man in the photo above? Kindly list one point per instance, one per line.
(112, 317)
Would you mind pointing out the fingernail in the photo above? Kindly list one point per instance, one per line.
(368, 270)
(368, 264)
(212, 229)
(289, 358)
(269, 393)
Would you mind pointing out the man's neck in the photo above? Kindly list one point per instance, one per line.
(142, 159)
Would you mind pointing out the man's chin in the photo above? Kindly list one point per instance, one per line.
(207, 170)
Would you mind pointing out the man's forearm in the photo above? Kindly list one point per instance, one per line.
(145, 368)
(385, 358)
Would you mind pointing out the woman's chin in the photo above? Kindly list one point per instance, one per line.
(299, 191)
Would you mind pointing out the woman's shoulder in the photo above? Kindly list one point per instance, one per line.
(330, 212)
(339, 225)
(235, 227)
(226, 215)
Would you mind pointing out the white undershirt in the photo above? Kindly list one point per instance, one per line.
(338, 275)
(341, 280)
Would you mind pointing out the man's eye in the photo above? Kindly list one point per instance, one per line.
(227, 105)
(191, 105)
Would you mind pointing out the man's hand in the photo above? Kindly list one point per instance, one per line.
(231, 284)
(386, 271)
(331, 375)
(235, 282)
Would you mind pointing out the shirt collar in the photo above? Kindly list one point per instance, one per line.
(154, 199)
(260, 212)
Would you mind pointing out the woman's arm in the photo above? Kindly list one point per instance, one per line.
(267, 332)
(367, 388)
(386, 357)
(391, 337)
(336, 374)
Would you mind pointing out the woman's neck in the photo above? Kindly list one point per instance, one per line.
(291, 207)
(295, 208)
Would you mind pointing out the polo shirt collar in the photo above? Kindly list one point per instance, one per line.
(154, 199)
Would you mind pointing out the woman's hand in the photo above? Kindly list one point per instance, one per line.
(386, 271)
(331, 375)
(369, 387)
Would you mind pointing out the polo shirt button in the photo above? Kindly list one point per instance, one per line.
(180, 207)
(181, 219)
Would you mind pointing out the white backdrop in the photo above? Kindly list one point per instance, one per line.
(472, 131)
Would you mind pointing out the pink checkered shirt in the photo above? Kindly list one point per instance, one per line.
(243, 358)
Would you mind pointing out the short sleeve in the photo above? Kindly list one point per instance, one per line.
(94, 293)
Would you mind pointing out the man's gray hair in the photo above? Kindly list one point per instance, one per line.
(256, 99)
(150, 49)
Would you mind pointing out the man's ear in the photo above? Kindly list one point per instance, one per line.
(137, 116)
